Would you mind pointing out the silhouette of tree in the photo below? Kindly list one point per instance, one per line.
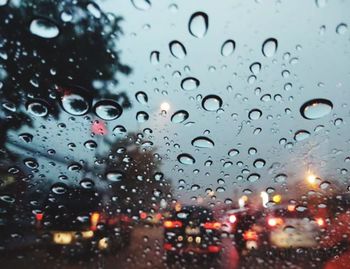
(133, 168)
(82, 58)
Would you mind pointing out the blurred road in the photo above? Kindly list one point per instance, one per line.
(145, 251)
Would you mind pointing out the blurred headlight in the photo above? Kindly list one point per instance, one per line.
(87, 234)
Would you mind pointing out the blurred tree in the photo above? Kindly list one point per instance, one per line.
(133, 170)
(50, 49)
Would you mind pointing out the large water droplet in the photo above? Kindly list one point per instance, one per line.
(280, 178)
(189, 84)
(254, 114)
(228, 47)
(108, 110)
(255, 68)
(94, 9)
(316, 108)
(75, 103)
(185, 158)
(253, 177)
(202, 142)
(44, 28)
(37, 108)
(119, 130)
(141, 97)
(26, 137)
(142, 116)
(341, 29)
(269, 47)
(211, 102)
(198, 24)
(90, 144)
(115, 176)
(87, 183)
(59, 188)
(177, 49)
(233, 152)
(259, 163)
(301, 135)
(141, 4)
(179, 116)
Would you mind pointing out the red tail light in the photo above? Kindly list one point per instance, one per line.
(214, 249)
(250, 235)
(274, 221)
(232, 219)
(39, 216)
(212, 225)
(171, 224)
(167, 246)
(95, 217)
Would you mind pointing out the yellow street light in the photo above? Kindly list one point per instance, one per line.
(164, 106)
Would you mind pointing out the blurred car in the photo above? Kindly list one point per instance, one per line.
(231, 218)
(151, 218)
(191, 230)
(282, 228)
(77, 223)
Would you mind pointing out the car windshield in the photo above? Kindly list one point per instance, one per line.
(174, 134)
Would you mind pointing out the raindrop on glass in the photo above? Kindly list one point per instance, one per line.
(211, 102)
(228, 47)
(177, 49)
(44, 28)
(269, 47)
(198, 24)
(316, 108)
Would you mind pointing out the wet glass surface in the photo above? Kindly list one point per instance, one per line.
(116, 114)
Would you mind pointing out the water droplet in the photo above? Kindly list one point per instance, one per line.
(94, 9)
(211, 102)
(202, 142)
(259, 163)
(195, 187)
(228, 47)
(189, 84)
(90, 144)
(301, 135)
(141, 4)
(37, 108)
(75, 103)
(179, 116)
(177, 49)
(119, 130)
(59, 188)
(26, 137)
(280, 178)
(324, 185)
(269, 47)
(233, 152)
(253, 177)
(31, 163)
(108, 110)
(74, 167)
(341, 29)
(198, 24)
(141, 97)
(115, 176)
(154, 57)
(316, 108)
(44, 28)
(142, 116)
(255, 68)
(185, 158)
(255, 114)
(87, 183)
